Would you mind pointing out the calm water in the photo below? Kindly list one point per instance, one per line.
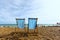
(27, 24)
(8, 24)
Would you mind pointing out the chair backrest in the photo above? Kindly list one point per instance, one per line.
(32, 23)
(20, 23)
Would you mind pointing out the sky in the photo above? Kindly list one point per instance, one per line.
(47, 11)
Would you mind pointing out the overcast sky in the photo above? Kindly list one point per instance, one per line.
(47, 11)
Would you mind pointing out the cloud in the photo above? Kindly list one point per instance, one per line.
(10, 9)
(46, 10)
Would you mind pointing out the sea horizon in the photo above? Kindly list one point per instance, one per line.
(27, 24)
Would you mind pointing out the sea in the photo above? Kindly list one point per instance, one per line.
(27, 24)
(8, 24)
